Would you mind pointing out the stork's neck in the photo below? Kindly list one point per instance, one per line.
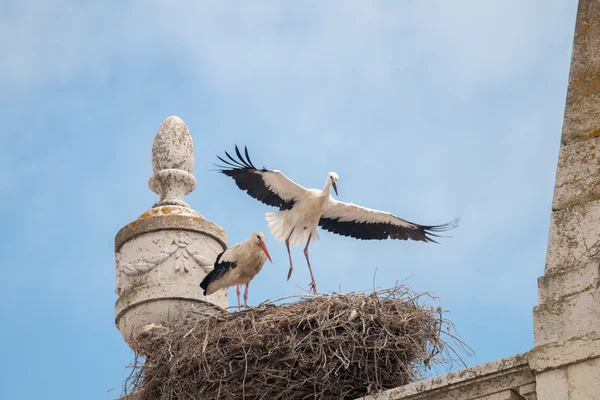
(327, 188)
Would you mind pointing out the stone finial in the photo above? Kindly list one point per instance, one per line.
(172, 163)
(163, 255)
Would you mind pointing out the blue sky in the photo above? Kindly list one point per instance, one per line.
(427, 109)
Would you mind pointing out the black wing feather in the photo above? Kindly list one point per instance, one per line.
(237, 162)
(246, 164)
(381, 231)
(248, 157)
(248, 178)
(219, 269)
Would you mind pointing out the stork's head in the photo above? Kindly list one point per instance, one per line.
(334, 178)
(258, 238)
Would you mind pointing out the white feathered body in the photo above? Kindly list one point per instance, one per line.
(303, 218)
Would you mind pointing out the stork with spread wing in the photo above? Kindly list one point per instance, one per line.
(301, 210)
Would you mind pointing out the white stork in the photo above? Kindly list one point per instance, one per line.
(302, 210)
(237, 265)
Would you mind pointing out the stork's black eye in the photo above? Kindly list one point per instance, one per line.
(258, 237)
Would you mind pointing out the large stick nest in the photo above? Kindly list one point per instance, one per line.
(340, 346)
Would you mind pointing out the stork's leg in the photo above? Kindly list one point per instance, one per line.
(246, 295)
(287, 244)
(237, 291)
(313, 284)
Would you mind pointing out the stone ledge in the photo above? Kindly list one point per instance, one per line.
(578, 174)
(572, 316)
(559, 354)
(553, 287)
(496, 377)
(170, 217)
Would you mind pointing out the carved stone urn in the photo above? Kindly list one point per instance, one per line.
(164, 254)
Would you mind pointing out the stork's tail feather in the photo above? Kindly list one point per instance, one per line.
(207, 281)
(276, 224)
(281, 229)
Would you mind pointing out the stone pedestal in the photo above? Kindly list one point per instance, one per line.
(164, 254)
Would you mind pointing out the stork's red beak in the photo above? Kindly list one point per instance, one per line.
(263, 246)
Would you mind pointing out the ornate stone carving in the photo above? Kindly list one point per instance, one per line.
(140, 266)
(180, 249)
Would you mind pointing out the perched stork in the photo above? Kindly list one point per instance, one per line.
(302, 210)
(237, 265)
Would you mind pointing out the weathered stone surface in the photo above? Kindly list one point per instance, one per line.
(582, 113)
(582, 121)
(173, 147)
(528, 391)
(500, 377)
(558, 321)
(552, 385)
(574, 237)
(578, 174)
(579, 381)
(172, 163)
(170, 217)
(574, 350)
(553, 287)
(584, 380)
(504, 395)
(158, 274)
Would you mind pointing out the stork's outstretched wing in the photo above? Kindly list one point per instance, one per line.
(347, 219)
(271, 187)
